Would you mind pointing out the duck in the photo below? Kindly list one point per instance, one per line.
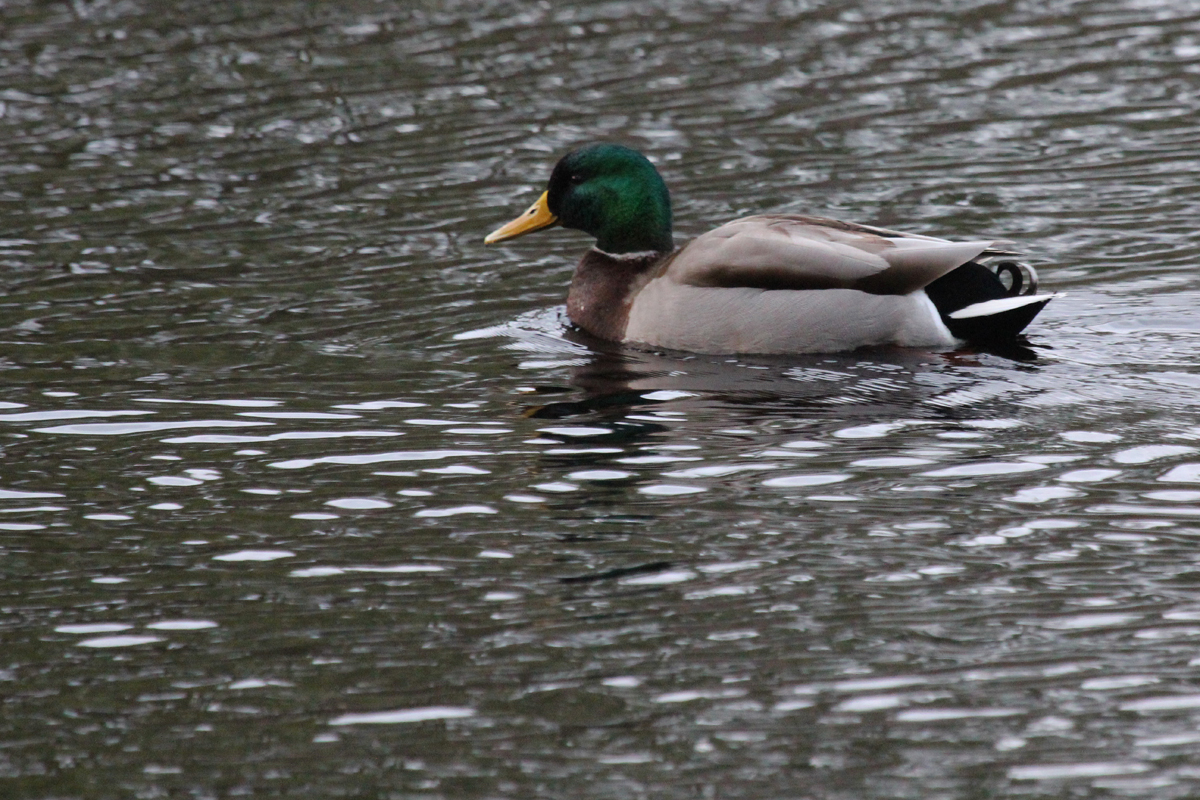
(769, 283)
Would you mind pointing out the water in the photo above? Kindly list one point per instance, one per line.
(305, 493)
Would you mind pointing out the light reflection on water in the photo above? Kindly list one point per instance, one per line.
(762, 519)
(303, 489)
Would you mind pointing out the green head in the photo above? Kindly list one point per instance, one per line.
(615, 194)
(606, 190)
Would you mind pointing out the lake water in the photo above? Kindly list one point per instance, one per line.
(307, 494)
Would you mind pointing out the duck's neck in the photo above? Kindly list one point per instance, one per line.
(603, 288)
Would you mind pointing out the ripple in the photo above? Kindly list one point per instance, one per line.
(358, 503)
(872, 702)
(600, 475)
(880, 683)
(296, 415)
(395, 569)
(729, 566)
(1089, 475)
(574, 431)
(46, 416)
(1122, 682)
(182, 625)
(657, 459)
(524, 498)
(1152, 452)
(875, 430)
(317, 572)
(376, 458)
(1090, 437)
(984, 469)
(720, 591)
(255, 555)
(627, 758)
(664, 578)
(1145, 511)
(1043, 494)
(118, 641)
(455, 511)
(232, 402)
(690, 695)
(1054, 772)
(222, 438)
(173, 480)
(718, 470)
(255, 683)
(123, 428)
(891, 461)
(378, 405)
(1174, 496)
(556, 486)
(495, 554)
(95, 627)
(1178, 702)
(1184, 473)
(667, 394)
(14, 494)
(404, 716)
(952, 714)
(1089, 621)
(804, 444)
(669, 490)
(794, 481)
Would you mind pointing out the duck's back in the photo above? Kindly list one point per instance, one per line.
(801, 252)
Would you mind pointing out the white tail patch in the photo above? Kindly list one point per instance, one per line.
(990, 307)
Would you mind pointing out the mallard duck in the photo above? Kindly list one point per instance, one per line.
(772, 283)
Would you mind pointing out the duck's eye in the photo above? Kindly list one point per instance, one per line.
(576, 178)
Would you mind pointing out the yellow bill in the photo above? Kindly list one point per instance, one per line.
(537, 217)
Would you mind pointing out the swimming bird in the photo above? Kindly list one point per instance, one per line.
(772, 283)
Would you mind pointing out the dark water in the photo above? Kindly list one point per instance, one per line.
(305, 493)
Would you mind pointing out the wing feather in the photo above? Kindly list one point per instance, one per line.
(804, 253)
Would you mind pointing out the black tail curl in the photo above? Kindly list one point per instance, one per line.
(978, 282)
(1022, 277)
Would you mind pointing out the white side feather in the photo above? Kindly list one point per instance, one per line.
(990, 307)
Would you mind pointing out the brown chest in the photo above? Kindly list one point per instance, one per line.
(603, 288)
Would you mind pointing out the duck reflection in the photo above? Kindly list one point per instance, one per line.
(625, 429)
(871, 383)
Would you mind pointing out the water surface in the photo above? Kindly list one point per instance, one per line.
(305, 493)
